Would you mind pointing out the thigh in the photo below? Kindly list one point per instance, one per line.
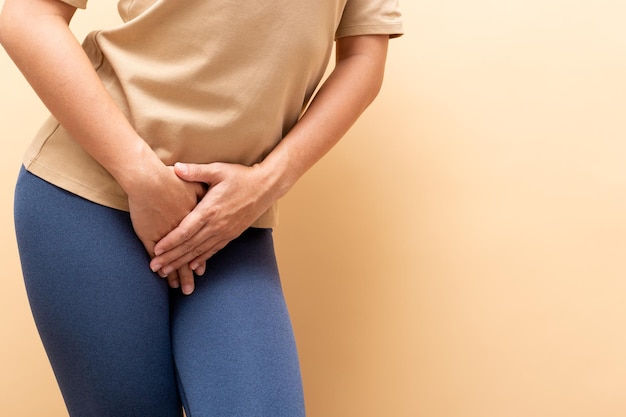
(102, 315)
(232, 338)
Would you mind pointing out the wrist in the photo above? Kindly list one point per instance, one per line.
(277, 173)
(137, 168)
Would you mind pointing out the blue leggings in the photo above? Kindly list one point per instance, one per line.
(121, 343)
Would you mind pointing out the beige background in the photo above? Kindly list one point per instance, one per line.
(462, 253)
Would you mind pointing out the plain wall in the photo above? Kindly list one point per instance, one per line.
(462, 252)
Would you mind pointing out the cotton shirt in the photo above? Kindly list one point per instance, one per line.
(206, 81)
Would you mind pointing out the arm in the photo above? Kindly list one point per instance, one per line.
(36, 35)
(234, 199)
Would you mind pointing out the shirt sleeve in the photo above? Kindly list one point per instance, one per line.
(79, 4)
(370, 17)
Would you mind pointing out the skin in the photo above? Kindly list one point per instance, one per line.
(182, 233)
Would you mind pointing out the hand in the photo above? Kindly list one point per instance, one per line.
(236, 197)
(156, 207)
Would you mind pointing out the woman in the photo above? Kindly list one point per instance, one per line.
(171, 138)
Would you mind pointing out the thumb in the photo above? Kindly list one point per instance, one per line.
(195, 172)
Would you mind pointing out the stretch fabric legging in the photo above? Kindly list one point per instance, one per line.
(122, 344)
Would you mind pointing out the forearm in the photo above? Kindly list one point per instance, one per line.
(348, 91)
(37, 37)
(234, 199)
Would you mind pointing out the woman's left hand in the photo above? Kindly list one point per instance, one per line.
(237, 195)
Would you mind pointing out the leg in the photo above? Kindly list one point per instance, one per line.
(103, 316)
(232, 338)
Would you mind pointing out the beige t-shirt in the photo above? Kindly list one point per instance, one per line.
(204, 81)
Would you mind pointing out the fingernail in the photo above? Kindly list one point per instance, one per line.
(167, 270)
(181, 167)
(194, 266)
(155, 268)
(187, 289)
(175, 284)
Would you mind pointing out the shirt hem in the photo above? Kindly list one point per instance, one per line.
(394, 30)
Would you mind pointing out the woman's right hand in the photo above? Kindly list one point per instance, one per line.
(36, 35)
(157, 204)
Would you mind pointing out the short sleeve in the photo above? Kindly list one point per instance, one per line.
(370, 17)
(79, 4)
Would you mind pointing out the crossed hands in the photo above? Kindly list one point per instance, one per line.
(186, 214)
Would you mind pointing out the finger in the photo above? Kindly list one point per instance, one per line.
(198, 187)
(201, 269)
(167, 267)
(185, 231)
(184, 253)
(187, 280)
(196, 259)
(206, 173)
(173, 280)
(178, 257)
